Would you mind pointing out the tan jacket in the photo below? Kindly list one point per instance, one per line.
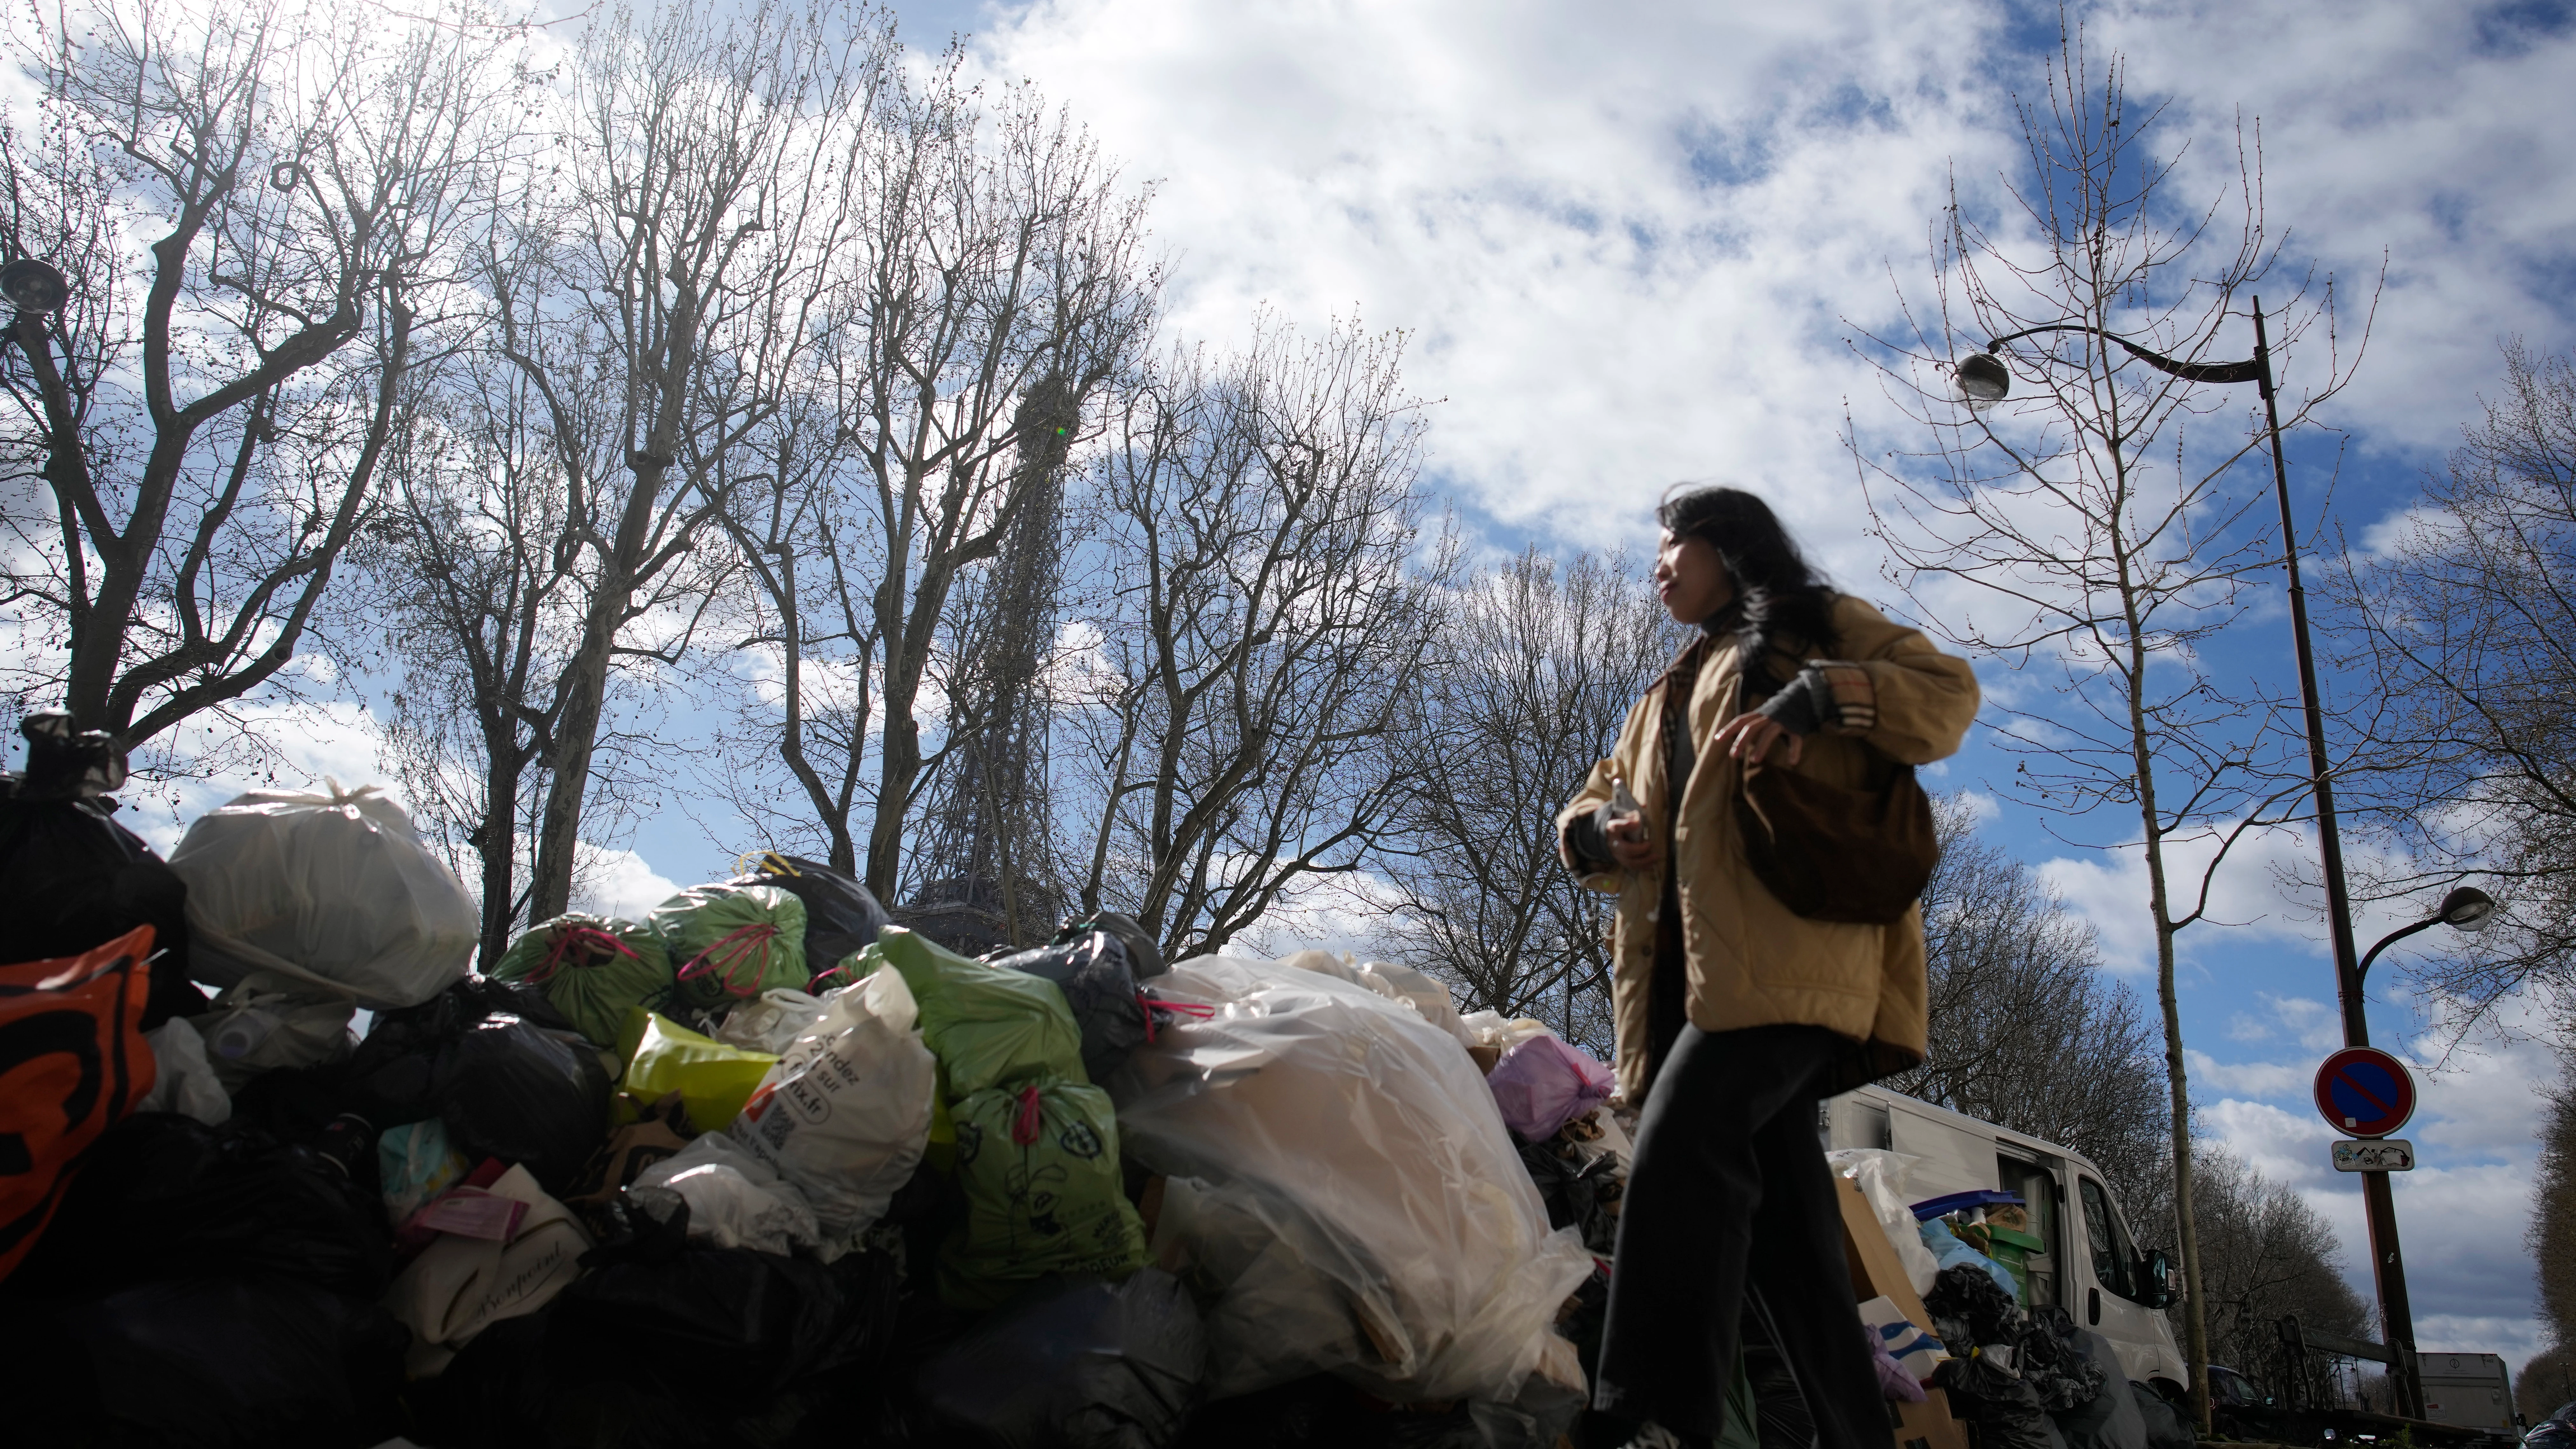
(1751, 962)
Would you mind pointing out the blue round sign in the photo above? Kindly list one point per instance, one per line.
(2365, 1091)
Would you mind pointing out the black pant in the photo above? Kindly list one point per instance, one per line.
(1730, 1186)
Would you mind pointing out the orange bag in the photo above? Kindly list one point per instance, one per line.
(73, 1063)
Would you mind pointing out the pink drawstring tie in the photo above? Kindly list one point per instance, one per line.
(590, 939)
(737, 947)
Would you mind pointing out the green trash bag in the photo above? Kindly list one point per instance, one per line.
(730, 943)
(988, 1025)
(713, 1079)
(1038, 1166)
(592, 968)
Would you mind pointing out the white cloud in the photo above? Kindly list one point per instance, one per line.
(2261, 1079)
(297, 747)
(2461, 1213)
(617, 883)
(1626, 249)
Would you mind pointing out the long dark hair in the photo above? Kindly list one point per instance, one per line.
(1780, 600)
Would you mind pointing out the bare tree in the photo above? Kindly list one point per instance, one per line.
(2095, 530)
(258, 210)
(662, 288)
(2266, 1253)
(479, 602)
(1000, 262)
(478, 606)
(2026, 1028)
(2550, 1378)
(991, 288)
(1273, 609)
(2468, 618)
(1536, 666)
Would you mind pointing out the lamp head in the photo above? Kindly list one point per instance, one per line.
(1983, 378)
(2467, 908)
(33, 287)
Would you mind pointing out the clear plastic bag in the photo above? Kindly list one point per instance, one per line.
(336, 891)
(1357, 1205)
(1883, 1177)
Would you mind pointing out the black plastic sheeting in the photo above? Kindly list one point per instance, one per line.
(1084, 1364)
(225, 1362)
(704, 1346)
(165, 1196)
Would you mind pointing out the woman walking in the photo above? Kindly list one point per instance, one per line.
(1735, 1013)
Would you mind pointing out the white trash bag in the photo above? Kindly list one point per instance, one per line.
(845, 1113)
(770, 1022)
(735, 1200)
(1351, 1192)
(184, 1080)
(265, 1022)
(335, 891)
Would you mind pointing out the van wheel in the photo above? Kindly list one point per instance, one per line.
(2173, 1393)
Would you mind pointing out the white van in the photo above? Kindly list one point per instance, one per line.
(2092, 1268)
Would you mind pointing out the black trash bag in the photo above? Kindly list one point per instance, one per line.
(1082, 1364)
(638, 1225)
(841, 918)
(1144, 957)
(594, 1372)
(1971, 1296)
(2057, 1370)
(165, 1196)
(1092, 972)
(727, 1328)
(2110, 1419)
(204, 1363)
(494, 1394)
(2166, 1428)
(1318, 1409)
(1571, 1191)
(507, 1074)
(71, 879)
(1536, 1419)
(1998, 1401)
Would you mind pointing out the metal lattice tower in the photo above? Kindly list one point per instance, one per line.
(984, 868)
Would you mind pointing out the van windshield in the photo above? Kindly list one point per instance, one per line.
(2114, 1265)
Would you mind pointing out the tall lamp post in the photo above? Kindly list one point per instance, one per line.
(1982, 379)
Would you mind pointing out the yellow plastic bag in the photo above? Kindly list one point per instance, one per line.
(713, 1079)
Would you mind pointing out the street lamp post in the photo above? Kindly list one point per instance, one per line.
(1982, 379)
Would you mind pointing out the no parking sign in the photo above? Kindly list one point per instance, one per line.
(2365, 1091)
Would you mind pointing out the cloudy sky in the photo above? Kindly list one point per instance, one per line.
(1629, 243)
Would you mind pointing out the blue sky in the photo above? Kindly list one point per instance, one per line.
(1628, 243)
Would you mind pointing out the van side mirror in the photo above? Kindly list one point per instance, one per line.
(2155, 1275)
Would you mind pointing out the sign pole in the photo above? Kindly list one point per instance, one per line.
(2387, 1265)
(2369, 1093)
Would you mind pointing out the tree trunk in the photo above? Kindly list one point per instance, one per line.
(496, 839)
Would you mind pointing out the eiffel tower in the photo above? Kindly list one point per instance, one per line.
(984, 866)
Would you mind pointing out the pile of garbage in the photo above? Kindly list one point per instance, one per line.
(760, 1167)
(2026, 1377)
